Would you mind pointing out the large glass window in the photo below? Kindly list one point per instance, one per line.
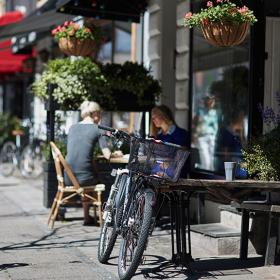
(220, 103)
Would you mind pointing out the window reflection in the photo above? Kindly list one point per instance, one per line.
(220, 103)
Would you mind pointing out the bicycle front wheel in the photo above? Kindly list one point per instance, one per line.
(109, 234)
(31, 161)
(8, 158)
(135, 238)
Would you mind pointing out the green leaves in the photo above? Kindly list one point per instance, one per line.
(76, 81)
(261, 156)
(81, 79)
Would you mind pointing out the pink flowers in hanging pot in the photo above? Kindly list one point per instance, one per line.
(220, 11)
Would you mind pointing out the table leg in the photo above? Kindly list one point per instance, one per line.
(243, 253)
(271, 240)
(171, 209)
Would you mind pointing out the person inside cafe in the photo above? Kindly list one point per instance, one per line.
(164, 128)
(82, 139)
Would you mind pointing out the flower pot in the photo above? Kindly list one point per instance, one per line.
(224, 34)
(72, 46)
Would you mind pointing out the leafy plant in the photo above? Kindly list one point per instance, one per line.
(261, 156)
(77, 80)
(8, 123)
(220, 11)
(132, 78)
(74, 30)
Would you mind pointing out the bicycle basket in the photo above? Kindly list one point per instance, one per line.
(157, 159)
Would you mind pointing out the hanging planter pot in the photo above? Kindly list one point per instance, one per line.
(77, 40)
(73, 46)
(223, 23)
(224, 34)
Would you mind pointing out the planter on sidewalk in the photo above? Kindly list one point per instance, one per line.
(50, 184)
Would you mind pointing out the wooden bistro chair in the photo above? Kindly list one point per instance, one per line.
(65, 193)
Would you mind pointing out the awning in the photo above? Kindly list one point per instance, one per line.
(35, 22)
(122, 10)
(10, 63)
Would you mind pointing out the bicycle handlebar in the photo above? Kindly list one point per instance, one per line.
(104, 127)
(116, 133)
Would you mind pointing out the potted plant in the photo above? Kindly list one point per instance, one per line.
(77, 40)
(130, 86)
(223, 23)
(77, 80)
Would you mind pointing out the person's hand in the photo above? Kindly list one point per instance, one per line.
(117, 154)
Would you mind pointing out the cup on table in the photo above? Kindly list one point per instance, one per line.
(230, 170)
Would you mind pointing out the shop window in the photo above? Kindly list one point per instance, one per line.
(220, 103)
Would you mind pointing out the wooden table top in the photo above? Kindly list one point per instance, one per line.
(222, 190)
(244, 184)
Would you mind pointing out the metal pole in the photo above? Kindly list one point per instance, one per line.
(50, 113)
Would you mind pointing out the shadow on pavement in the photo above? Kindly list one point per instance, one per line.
(12, 265)
(203, 269)
(51, 242)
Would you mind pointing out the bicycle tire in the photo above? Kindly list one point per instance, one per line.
(139, 231)
(31, 162)
(8, 158)
(108, 239)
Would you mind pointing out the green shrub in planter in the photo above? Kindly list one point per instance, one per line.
(261, 156)
(130, 87)
(76, 79)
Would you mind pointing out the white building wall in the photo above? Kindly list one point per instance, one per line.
(168, 54)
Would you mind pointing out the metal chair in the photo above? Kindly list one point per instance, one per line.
(92, 194)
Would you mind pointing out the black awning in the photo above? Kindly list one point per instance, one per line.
(122, 10)
(35, 22)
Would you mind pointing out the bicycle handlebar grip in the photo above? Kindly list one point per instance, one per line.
(104, 127)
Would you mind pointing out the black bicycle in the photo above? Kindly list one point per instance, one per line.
(26, 157)
(130, 207)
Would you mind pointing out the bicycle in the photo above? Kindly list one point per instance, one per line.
(28, 159)
(132, 202)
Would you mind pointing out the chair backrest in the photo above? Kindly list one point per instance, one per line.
(59, 163)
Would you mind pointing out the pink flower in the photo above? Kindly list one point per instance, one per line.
(54, 31)
(188, 15)
(219, 1)
(66, 23)
(209, 4)
(243, 10)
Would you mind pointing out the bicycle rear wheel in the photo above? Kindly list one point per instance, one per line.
(8, 158)
(135, 238)
(31, 161)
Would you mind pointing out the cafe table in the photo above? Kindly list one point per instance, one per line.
(240, 193)
(237, 193)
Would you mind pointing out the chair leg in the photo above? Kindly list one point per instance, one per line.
(55, 212)
(53, 207)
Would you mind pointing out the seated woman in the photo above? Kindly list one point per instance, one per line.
(81, 141)
(164, 128)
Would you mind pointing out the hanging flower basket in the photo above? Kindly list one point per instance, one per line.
(223, 23)
(77, 40)
(224, 34)
(72, 46)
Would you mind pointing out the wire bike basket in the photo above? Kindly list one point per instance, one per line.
(157, 159)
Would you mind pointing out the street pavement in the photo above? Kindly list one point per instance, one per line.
(31, 251)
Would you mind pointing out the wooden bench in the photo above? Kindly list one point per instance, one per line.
(273, 213)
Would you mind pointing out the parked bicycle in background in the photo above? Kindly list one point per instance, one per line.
(26, 157)
(130, 207)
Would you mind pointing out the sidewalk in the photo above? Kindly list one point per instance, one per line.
(29, 250)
